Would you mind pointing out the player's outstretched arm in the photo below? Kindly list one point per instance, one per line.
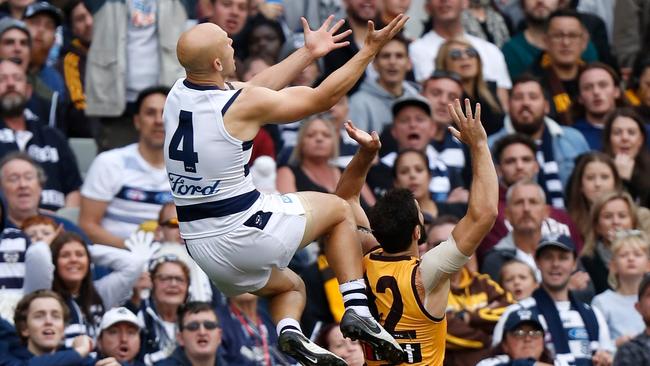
(484, 193)
(318, 43)
(354, 177)
(262, 105)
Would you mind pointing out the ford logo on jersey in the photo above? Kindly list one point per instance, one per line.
(182, 185)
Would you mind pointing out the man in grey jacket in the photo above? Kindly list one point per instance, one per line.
(370, 106)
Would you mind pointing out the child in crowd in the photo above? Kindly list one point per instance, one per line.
(630, 261)
(41, 228)
(518, 278)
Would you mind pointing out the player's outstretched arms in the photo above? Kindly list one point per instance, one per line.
(318, 43)
(262, 105)
(484, 193)
(354, 177)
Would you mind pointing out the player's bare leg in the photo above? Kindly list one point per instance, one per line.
(332, 217)
(286, 293)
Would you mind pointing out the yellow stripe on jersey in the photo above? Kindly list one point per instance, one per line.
(395, 301)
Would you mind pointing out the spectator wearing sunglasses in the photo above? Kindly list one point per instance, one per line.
(522, 343)
(170, 278)
(119, 337)
(459, 56)
(199, 337)
(447, 24)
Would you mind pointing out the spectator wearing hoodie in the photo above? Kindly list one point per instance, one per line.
(370, 106)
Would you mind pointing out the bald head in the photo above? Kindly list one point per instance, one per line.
(205, 49)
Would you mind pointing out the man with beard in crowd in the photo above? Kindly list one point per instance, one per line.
(21, 130)
(557, 146)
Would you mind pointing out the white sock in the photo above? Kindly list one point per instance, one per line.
(288, 324)
(354, 296)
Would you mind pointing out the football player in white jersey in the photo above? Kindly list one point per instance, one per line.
(243, 239)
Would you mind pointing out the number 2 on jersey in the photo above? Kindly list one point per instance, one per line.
(184, 135)
(397, 308)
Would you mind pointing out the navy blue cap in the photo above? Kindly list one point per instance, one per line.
(43, 7)
(558, 241)
(522, 316)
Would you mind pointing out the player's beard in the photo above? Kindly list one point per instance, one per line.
(12, 104)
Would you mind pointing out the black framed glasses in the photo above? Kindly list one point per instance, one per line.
(457, 54)
(194, 326)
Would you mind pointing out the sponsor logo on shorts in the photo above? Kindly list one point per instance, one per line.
(286, 199)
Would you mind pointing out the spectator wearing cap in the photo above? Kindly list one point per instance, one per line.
(133, 48)
(527, 213)
(119, 336)
(522, 343)
(113, 205)
(370, 105)
(637, 351)
(40, 319)
(440, 89)
(576, 333)
(42, 19)
(159, 312)
(15, 45)
(412, 128)
(447, 24)
(73, 68)
(21, 131)
(199, 337)
(558, 146)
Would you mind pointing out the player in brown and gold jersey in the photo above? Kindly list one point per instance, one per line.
(410, 293)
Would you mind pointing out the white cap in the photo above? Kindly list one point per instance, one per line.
(118, 315)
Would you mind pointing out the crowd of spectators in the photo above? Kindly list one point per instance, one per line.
(92, 266)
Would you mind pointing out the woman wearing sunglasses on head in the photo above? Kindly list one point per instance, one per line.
(457, 55)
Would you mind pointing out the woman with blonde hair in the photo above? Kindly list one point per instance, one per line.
(610, 213)
(312, 162)
(630, 262)
(459, 56)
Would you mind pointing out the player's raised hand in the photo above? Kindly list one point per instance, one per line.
(469, 128)
(323, 40)
(376, 39)
(367, 141)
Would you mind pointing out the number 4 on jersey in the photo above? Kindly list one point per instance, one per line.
(184, 135)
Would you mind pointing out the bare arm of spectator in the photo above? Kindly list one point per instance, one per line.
(115, 287)
(285, 180)
(73, 199)
(90, 220)
(318, 43)
(40, 269)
